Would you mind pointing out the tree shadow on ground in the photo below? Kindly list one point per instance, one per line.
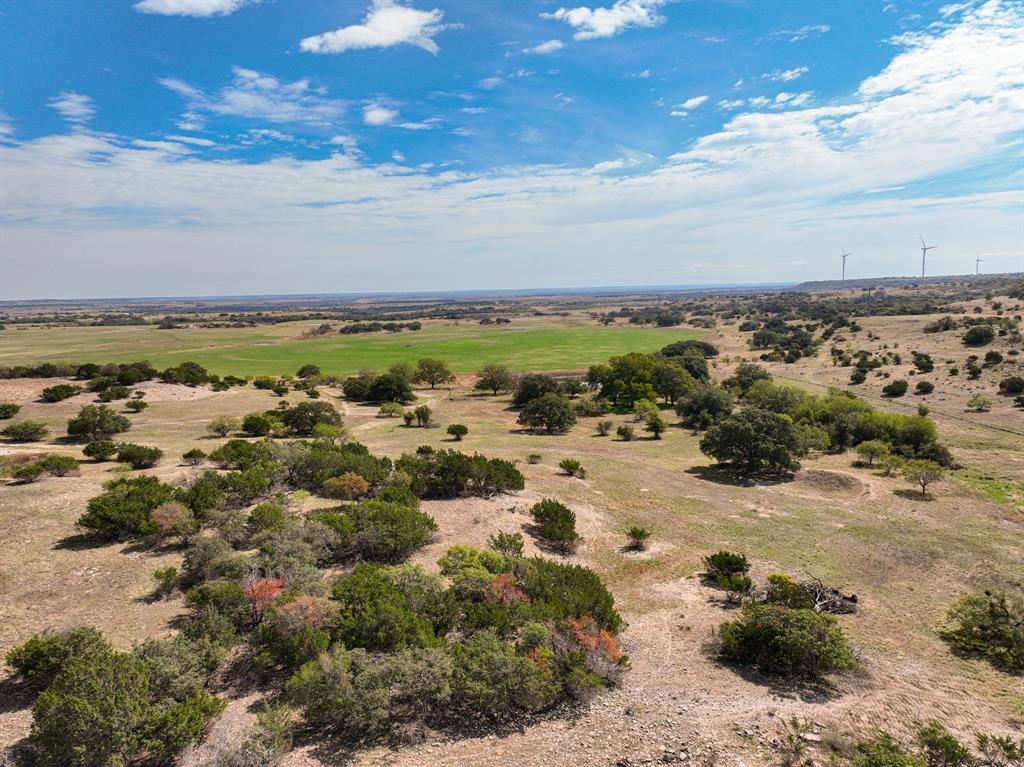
(723, 474)
(807, 690)
(81, 542)
(914, 495)
(15, 695)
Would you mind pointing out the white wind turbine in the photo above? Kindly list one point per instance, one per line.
(924, 251)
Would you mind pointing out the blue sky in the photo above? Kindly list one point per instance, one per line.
(172, 147)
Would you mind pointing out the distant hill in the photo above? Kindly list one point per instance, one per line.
(824, 286)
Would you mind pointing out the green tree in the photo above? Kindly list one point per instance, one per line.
(922, 473)
(494, 378)
(433, 372)
(458, 431)
(97, 422)
(754, 440)
(871, 449)
(305, 416)
(551, 412)
(704, 407)
(656, 425)
(25, 431)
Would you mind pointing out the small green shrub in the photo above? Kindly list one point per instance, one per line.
(95, 422)
(572, 468)
(60, 465)
(604, 428)
(625, 432)
(458, 431)
(895, 388)
(194, 457)
(556, 524)
(533, 458)
(989, 625)
(8, 410)
(100, 450)
(638, 537)
(59, 392)
(139, 456)
(725, 563)
(786, 642)
(39, 660)
(126, 507)
(25, 431)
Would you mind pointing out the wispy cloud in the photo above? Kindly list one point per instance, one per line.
(75, 107)
(197, 8)
(684, 109)
(786, 75)
(801, 33)
(386, 24)
(259, 96)
(549, 46)
(593, 23)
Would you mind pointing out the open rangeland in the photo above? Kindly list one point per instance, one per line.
(905, 555)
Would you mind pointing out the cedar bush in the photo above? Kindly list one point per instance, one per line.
(100, 450)
(781, 641)
(556, 524)
(25, 431)
(126, 507)
(139, 456)
(989, 625)
(95, 422)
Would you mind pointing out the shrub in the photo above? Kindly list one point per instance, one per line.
(194, 457)
(1012, 385)
(136, 405)
(139, 456)
(656, 425)
(347, 487)
(705, 407)
(725, 563)
(126, 508)
(754, 440)
(745, 375)
(625, 432)
(572, 467)
(100, 450)
(422, 414)
(97, 422)
(450, 474)
(308, 371)
(267, 517)
(8, 410)
(29, 473)
(786, 642)
(556, 524)
(870, 450)
(883, 751)
(388, 532)
(458, 431)
(241, 454)
(258, 424)
(604, 428)
(979, 403)
(924, 387)
(107, 709)
(25, 431)
(304, 417)
(384, 609)
(166, 579)
(226, 598)
(922, 473)
(979, 335)
(989, 625)
(895, 388)
(39, 660)
(509, 545)
(59, 392)
(60, 465)
(533, 458)
(172, 518)
(391, 410)
(638, 537)
(993, 357)
(561, 591)
(297, 631)
(222, 425)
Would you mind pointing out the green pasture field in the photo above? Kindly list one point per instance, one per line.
(529, 344)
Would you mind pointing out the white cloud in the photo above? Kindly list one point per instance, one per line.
(593, 23)
(801, 33)
(490, 83)
(75, 203)
(641, 75)
(193, 140)
(397, 156)
(75, 107)
(198, 8)
(786, 75)
(264, 135)
(693, 103)
(431, 123)
(386, 24)
(377, 114)
(731, 103)
(258, 96)
(549, 46)
(348, 143)
(474, 110)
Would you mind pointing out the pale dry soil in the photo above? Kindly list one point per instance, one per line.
(906, 557)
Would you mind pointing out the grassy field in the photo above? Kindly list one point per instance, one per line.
(531, 344)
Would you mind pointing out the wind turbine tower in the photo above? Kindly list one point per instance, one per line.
(977, 261)
(924, 251)
(843, 256)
